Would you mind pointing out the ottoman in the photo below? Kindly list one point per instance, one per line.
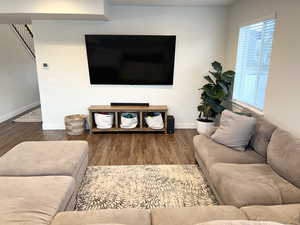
(34, 200)
(47, 158)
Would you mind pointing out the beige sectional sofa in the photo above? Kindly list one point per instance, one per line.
(40, 179)
(266, 174)
(286, 214)
(39, 182)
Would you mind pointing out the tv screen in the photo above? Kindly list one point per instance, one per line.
(131, 59)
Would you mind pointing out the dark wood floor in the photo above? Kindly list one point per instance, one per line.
(110, 149)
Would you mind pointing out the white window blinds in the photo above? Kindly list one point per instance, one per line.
(253, 60)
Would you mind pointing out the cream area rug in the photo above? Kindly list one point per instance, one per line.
(143, 187)
(33, 116)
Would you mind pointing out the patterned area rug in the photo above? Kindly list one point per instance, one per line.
(31, 117)
(143, 187)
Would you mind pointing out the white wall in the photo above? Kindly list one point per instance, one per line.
(53, 6)
(65, 87)
(16, 11)
(282, 105)
(18, 77)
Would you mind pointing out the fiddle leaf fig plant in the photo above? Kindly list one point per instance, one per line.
(215, 93)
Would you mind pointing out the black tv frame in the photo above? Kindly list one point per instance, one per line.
(171, 77)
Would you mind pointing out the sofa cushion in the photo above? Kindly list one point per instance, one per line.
(251, 184)
(107, 216)
(238, 222)
(262, 135)
(211, 152)
(288, 214)
(235, 130)
(284, 156)
(193, 215)
(44, 158)
(33, 200)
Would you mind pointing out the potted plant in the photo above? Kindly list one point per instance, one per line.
(214, 96)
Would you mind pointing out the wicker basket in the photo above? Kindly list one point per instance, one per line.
(75, 124)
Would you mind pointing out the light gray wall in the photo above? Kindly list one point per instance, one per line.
(16, 11)
(282, 105)
(65, 87)
(18, 77)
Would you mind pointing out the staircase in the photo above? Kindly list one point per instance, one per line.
(24, 33)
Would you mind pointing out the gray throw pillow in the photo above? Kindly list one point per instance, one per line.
(235, 130)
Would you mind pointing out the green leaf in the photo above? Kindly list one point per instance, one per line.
(201, 108)
(229, 73)
(217, 66)
(207, 86)
(224, 87)
(213, 92)
(216, 75)
(208, 78)
(228, 76)
(218, 108)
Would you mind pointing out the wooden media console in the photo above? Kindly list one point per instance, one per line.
(117, 110)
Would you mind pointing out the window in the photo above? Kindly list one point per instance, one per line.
(253, 60)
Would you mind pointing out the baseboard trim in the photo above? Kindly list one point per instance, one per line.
(18, 111)
(186, 125)
(53, 126)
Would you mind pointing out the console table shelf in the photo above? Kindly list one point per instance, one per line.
(117, 110)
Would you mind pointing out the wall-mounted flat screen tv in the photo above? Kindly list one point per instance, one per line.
(131, 59)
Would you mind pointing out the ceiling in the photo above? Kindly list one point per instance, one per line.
(172, 2)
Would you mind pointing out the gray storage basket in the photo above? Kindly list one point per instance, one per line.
(75, 124)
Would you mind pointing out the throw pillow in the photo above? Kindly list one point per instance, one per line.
(235, 130)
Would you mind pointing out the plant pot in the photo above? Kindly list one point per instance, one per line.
(205, 126)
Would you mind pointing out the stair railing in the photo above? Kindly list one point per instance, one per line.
(25, 35)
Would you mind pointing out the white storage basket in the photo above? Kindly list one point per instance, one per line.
(129, 123)
(104, 121)
(155, 122)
